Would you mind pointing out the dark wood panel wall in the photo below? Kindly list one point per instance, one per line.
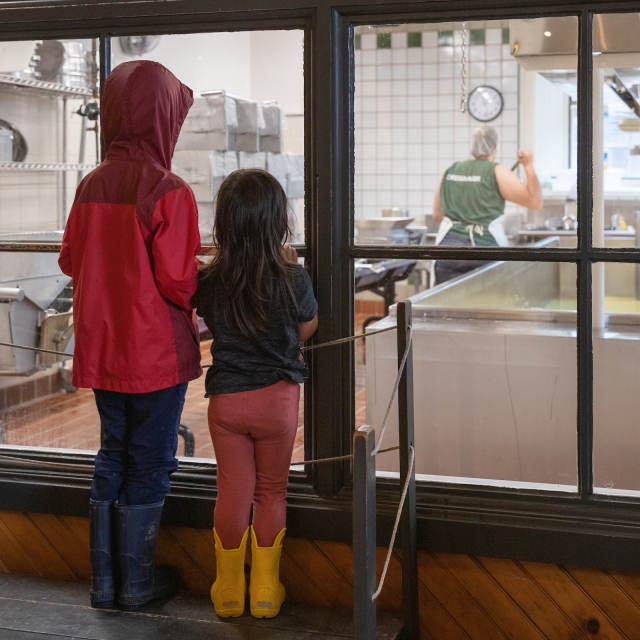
(460, 597)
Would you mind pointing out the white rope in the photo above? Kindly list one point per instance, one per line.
(397, 522)
(395, 390)
(336, 458)
(21, 346)
(349, 339)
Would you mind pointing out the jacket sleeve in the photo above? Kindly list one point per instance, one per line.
(175, 245)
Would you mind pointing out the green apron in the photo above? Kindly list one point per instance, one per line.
(470, 198)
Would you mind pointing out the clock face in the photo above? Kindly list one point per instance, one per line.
(485, 103)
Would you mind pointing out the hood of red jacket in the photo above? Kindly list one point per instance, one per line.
(143, 108)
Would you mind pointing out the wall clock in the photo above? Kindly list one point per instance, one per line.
(485, 103)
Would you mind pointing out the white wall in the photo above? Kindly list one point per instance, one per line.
(277, 68)
(408, 124)
(545, 123)
(203, 60)
(259, 65)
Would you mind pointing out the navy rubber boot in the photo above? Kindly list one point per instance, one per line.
(101, 542)
(141, 581)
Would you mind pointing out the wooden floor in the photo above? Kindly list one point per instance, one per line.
(40, 609)
(71, 421)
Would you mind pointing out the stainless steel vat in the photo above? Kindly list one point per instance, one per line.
(496, 382)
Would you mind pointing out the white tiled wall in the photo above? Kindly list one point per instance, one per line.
(408, 124)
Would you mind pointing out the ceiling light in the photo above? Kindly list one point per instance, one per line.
(547, 33)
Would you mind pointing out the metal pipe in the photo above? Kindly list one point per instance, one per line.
(408, 525)
(598, 197)
(364, 533)
(105, 70)
(64, 161)
(10, 294)
(189, 440)
(637, 244)
(83, 139)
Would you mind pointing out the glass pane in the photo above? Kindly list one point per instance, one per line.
(248, 112)
(616, 130)
(49, 130)
(616, 358)
(38, 405)
(378, 285)
(263, 73)
(411, 137)
(494, 377)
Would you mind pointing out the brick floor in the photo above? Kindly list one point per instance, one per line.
(71, 421)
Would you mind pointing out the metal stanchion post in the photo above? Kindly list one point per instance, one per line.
(364, 534)
(408, 520)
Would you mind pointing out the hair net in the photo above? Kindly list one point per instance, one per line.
(485, 142)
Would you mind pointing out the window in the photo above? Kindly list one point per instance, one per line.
(49, 132)
(404, 102)
(410, 129)
(494, 341)
(54, 127)
(494, 368)
(616, 286)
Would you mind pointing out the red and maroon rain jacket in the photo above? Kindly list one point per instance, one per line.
(131, 241)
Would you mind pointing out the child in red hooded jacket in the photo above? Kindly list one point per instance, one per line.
(130, 246)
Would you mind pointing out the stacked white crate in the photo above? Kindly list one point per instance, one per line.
(222, 134)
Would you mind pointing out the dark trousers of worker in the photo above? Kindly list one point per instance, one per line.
(139, 443)
(448, 269)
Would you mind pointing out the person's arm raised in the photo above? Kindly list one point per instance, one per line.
(437, 211)
(514, 190)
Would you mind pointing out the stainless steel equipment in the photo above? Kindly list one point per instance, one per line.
(387, 230)
(35, 307)
(495, 380)
(380, 278)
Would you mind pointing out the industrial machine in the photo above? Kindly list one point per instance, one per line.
(35, 307)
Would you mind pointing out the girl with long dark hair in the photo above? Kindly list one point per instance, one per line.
(258, 305)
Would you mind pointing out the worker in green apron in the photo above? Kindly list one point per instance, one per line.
(470, 198)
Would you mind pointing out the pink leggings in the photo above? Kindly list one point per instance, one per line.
(253, 434)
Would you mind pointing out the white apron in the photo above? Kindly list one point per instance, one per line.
(495, 228)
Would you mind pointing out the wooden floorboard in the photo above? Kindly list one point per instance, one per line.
(39, 608)
(15, 634)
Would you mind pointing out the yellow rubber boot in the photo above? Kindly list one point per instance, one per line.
(266, 593)
(229, 590)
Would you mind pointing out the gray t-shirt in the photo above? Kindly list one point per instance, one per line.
(241, 364)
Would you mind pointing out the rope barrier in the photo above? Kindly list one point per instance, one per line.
(349, 339)
(67, 465)
(206, 366)
(334, 342)
(334, 459)
(403, 362)
(397, 522)
(318, 460)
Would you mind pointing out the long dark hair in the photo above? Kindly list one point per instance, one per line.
(250, 271)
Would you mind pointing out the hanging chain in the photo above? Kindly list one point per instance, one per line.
(463, 70)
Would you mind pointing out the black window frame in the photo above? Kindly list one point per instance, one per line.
(583, 528)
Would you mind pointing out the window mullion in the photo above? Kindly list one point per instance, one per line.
(585, 208)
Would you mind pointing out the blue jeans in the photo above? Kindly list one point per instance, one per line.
(139, 443)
